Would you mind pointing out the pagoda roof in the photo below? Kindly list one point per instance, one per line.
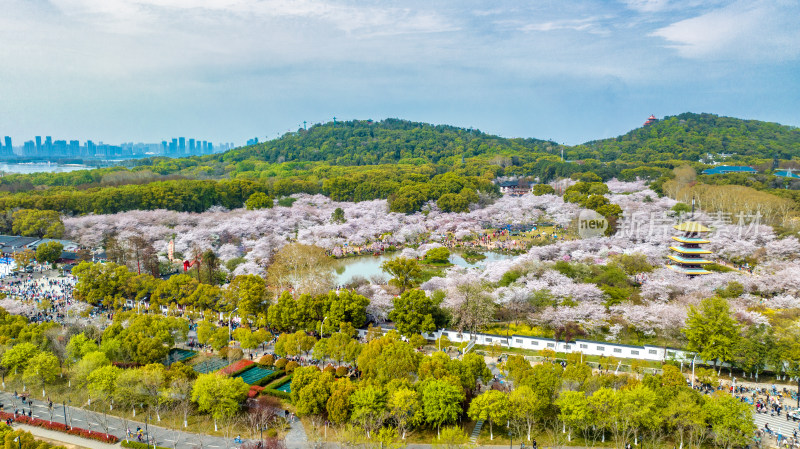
(691, 271)
(685, 250)
(691, 226)
(690, 239)
(688, 260)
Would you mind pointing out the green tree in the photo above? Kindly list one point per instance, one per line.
(259, 200)
(441, 402)
(38, 223)
(490, 406)
(415, 312)
(103, 380)
(338, 405)
(524, 408)
(249, 294)
(79, 345)
(24, 258)
(49, 252)
(42, 369)
(439, 255)
(451, 438)
(219, 395)
(731, 420)
(543, 189)
(711, 330)
(405, 273)
(17, 358)
(686, 416)
(369, 408)
(338, 216)
(89, 363)
(405, 409)
(575, 412)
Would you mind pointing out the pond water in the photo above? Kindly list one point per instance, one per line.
(37, 167)
(367, 266)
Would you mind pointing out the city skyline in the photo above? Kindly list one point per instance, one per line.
(224, 70)
(40, 147)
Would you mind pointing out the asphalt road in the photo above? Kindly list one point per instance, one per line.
(78, 417)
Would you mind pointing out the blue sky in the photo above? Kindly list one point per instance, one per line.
(226, 70)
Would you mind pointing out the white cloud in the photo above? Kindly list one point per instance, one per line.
(742, 31)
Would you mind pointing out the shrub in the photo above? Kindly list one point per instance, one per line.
(291, 366)
(330, 369)
(138, 445)
(341, 371)
(254, 391)
(267, 360)
(278, 394)
(281, 363)
(236, 368)
(61, 427)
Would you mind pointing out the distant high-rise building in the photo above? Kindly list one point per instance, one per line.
(182, 145)
(191, 146)
(9, 148)
(48, 144)
(38, 144)
(28, 148)
(163, 147)
(74, 148)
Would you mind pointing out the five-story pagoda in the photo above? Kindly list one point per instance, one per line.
(689, 255)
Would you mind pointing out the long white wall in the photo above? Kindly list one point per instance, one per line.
(597, 348)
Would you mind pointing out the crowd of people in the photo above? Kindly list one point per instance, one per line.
(42, 297)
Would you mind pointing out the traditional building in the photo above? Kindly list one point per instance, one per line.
(725, 169)
(689, 255)
(650, 120)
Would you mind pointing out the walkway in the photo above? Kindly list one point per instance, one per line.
(297, 438)
(65, 438)
(79, 417)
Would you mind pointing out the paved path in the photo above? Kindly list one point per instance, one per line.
(62, 437)
(297, 438)
(78, 417)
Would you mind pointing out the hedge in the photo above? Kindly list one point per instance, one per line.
(60, 427)
(282, 380)
(266, 380)
(276, 393)
(138, 445)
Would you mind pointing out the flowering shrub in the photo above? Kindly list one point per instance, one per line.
(236, 368)
(254, 391)
(61, 427)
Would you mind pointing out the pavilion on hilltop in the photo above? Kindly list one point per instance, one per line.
(688, 254)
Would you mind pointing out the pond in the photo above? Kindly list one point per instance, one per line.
(367, 266)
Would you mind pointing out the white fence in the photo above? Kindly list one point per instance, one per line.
(587, 347)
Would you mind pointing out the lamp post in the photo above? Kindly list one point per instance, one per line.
(511, 440)
(693, 358)
(320, 326)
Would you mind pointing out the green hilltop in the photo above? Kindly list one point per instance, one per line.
(406, 162)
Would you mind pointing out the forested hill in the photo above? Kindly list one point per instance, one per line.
(690, 137)
(366, 142)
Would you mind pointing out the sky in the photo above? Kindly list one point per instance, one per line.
(229, 70)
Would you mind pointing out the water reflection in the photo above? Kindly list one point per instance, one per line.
(368, 266)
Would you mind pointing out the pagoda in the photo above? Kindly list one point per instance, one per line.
(650, 120)
(689, 254)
